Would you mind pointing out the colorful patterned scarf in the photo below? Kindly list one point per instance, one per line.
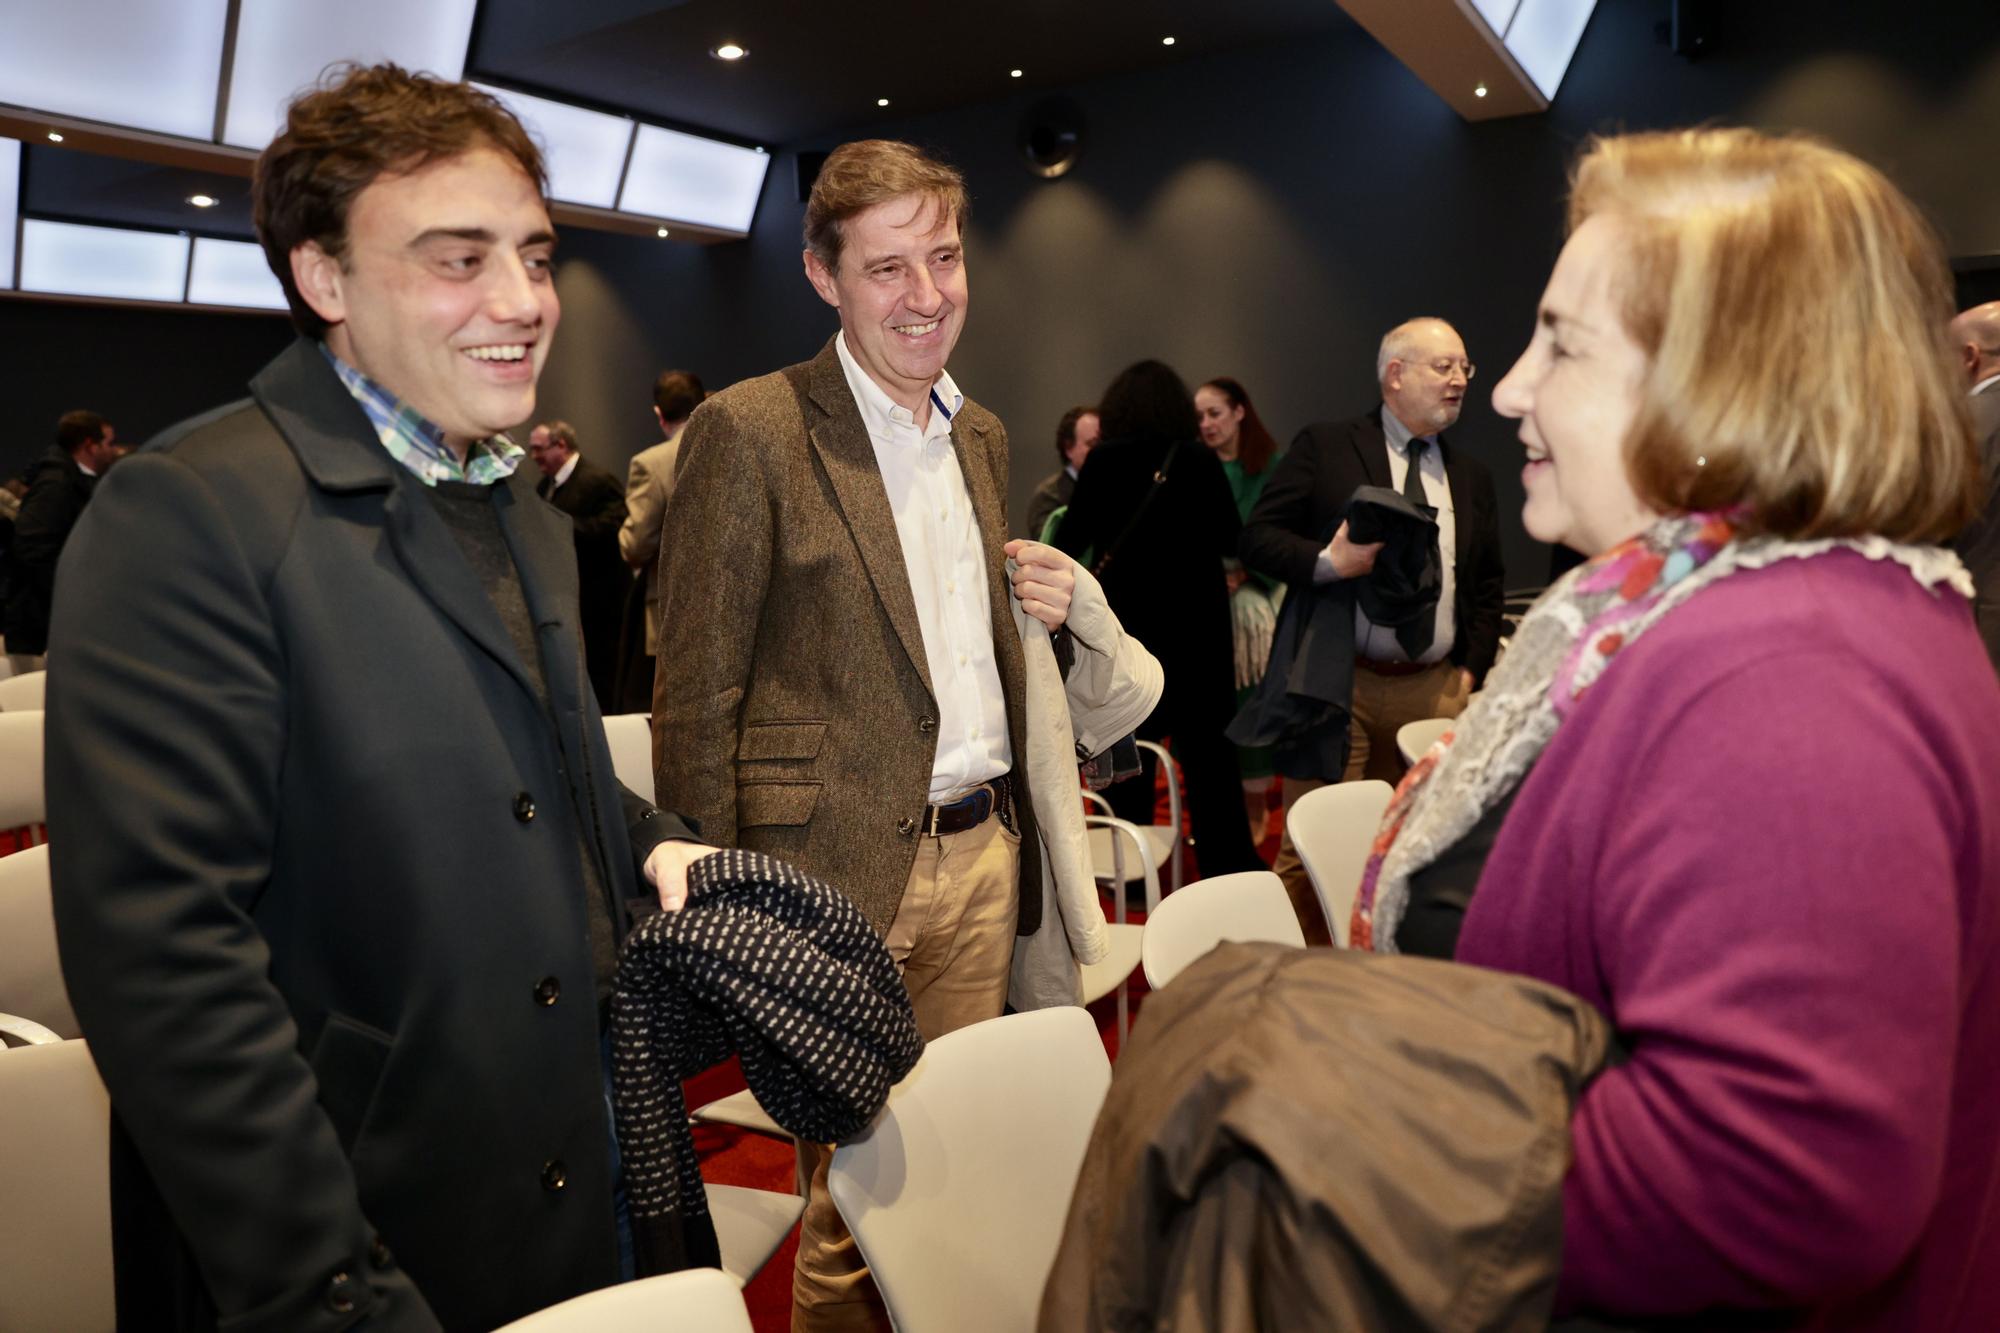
(1565, 642)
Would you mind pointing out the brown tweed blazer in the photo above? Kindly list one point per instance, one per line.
(793, 712)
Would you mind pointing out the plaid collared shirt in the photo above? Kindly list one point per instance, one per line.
(416, 442)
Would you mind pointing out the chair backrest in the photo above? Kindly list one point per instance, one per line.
(55, 1190)
(31, 983)
(1249, 905)
(1333, 829)
(698, 1300)
(958, 1193)
(22, 797)
(1415, 739)
(23, 693)
(631, 739)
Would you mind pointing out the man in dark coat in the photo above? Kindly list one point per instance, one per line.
(340, 865)
(595, 501)
(59, 485)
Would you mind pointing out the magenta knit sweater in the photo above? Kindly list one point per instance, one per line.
(1767, 845)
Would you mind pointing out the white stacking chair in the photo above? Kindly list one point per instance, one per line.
(55, 1190)
(750, 1225)
(1162, 841)
(23, 800)
(1248, 905)
(31, 982)
(1333, 829)
(630, 736)
(958, 1193)
(24, 693)
(1415, 739)
(700, 1300)
(1123, 840)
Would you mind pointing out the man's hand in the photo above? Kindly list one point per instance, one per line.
(1351, 561)
(1043, 580)
(667, 871)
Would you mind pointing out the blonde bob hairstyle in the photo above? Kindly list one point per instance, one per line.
(1793, 304)
(859, 175)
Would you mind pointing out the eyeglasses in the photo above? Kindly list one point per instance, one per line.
(1443, 369)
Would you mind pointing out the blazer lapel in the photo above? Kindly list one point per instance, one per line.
(844, 450)
(336, 445)
(1372, 447)
(971, 443)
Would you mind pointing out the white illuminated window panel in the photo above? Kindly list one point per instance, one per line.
(283, 46)
(688, 179)
(1544, 36)
(73, 260)
(1497, 13)
(141, 63)
(584, 149)
(233, 273)
(10, 203)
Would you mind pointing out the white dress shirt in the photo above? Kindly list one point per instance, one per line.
(562, 473)
(1378, 642)
(946, 562)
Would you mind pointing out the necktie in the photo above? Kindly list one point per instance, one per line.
(1413, 478)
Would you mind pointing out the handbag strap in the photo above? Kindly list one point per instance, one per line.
(1138, 515)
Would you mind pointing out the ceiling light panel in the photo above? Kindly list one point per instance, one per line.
(687, 179)
(137, 63)
(1497, 13)
(233, 273)
(10, 203)
(584, 149)
(282, 47)
(1543, 37)
(73, 260)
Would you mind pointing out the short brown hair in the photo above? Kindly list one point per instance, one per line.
(1066, 431)
(677, 393)
(857, 176)
(560, 432)
(361, 122)
(1793, 304)
(78, 428)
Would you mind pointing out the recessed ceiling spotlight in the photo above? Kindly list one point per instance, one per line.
(1013, 73)
(760, 148)
(202, 200)
(881, 101)
(1166, 41)
(54, 137)
(1480, 91)
(662, 233)
(729, 51)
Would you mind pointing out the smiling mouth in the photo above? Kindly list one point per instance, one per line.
(498, 352)
(918, 330)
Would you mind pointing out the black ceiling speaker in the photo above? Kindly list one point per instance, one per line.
(1051, 138)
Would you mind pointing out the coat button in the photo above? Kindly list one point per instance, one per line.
(547, 991)
(378, 1254)
(927, 726)
(553, 1176)
(340, 1294)
(906, 826)
(524, 807)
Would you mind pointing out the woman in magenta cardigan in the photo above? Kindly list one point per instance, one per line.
(1737, 779)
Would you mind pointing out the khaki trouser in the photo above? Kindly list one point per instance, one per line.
(1382, 704)
(953, 937)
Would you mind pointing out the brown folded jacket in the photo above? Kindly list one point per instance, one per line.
(1322, 1139)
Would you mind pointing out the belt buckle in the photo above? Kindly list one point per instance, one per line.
(930, 827)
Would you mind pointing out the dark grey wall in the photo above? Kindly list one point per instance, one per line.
(1267, 214)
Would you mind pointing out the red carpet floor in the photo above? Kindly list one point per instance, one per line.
(738, 1157)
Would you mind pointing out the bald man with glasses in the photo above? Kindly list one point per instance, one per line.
(1297, 533)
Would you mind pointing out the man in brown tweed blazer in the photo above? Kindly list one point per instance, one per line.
(840, 680)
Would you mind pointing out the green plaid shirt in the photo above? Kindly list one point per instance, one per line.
(416, 442)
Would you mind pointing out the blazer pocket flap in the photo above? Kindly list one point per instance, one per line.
(766, 803)
(781, 740)
(348, 1062)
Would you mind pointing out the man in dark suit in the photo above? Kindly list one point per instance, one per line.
(1076, 436)
(1975, 336)
(595, 502)
(1297, 533)
(340, 865)
(59, 486)
(841, 681)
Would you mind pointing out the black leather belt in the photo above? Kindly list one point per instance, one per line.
(967, 811)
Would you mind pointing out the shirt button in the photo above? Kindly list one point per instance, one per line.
(340, 1294)
(952, 586)
(553, 1176)
(547, 991)
(524, 807)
